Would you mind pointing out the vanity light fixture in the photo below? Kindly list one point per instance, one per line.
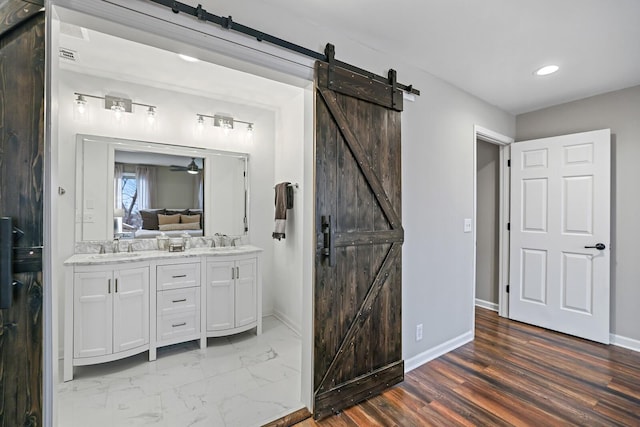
(227, 123)
(116, 104)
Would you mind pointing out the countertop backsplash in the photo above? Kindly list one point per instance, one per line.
(139, 245)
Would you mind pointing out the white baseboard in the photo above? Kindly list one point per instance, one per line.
(486, 304)
(625, 342)
(287, 321)
(437, 351)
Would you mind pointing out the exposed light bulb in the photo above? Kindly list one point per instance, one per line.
(81, 104)
(118, 109)
(227, 125)
(151, 115)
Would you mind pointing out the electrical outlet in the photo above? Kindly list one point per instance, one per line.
(467, 225)
(419, 332)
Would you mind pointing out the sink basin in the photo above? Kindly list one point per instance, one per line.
(124, 255)
(224, 249)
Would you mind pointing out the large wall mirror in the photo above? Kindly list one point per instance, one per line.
(136, 189)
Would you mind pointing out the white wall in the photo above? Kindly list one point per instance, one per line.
(287, 253)
(619, 111)
(487, 214)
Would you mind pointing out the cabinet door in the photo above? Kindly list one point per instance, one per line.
(220, 295)
(246, 292)
(92, 315)
(130, 308)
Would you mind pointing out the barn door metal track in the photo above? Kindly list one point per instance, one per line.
(229, 24)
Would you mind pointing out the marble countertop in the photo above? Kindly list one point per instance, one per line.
(127, 257)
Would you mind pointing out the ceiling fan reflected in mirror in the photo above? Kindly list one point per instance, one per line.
(191, 168)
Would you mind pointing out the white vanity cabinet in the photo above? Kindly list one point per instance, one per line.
(232, 295)
(177, 302)
(110, 306)
(118, 305)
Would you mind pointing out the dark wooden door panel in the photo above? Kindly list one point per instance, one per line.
(357, 302)
(22, 54)
(13, 12)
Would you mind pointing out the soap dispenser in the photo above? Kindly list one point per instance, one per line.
(163, 241)
(186, 240)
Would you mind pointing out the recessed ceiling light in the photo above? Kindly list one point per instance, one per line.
(188, 58)
(546, 70)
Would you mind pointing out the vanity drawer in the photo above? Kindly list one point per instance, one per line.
(175, 326)
(177, 301)
(175, 276)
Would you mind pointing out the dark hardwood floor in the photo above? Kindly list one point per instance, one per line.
(511, 374)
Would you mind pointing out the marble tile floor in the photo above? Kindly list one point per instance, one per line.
(242, 380)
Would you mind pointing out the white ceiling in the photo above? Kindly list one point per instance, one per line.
(489, 48)
(103, 55)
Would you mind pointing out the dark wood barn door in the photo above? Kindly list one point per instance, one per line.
(22, 62)
(357, 295)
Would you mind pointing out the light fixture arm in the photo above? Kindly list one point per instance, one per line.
(223, 121)
(109, 101)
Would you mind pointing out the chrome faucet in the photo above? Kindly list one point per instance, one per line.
(223, 239)
(213, 242)
(102, 250)
(130, 248)
(116, 245)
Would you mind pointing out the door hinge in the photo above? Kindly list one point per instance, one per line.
(507, 288)
(508, 226)
(509, 163)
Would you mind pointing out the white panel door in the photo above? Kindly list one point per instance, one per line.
(130, 308)
(220, 295)
(246, 292)
(92, 314)
(560, 209)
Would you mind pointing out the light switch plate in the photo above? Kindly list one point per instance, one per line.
(467, 225)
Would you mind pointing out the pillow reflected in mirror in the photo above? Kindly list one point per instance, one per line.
(168, 219)
(178, 226)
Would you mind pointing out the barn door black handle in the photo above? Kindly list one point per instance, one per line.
(328, 247)
(8, 234)
(14, 260)
(598, 246)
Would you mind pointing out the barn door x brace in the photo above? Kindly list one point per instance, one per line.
(328, 56)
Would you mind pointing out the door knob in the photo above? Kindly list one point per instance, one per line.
(598, 246)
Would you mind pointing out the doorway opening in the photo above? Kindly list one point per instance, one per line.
(491, 154)
(110, 60)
